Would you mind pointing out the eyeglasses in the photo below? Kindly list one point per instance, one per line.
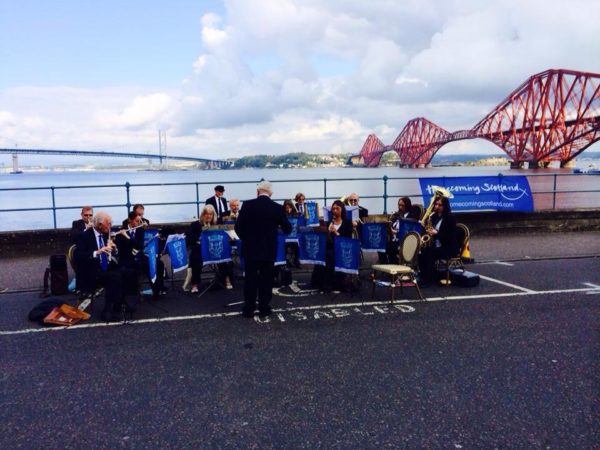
(87, 215)
(353, 200)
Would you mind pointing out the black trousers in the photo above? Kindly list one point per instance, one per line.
(258, 279)
(429, 255)
(117, 282)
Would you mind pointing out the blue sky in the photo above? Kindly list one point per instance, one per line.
(96, 43)
(240, 77)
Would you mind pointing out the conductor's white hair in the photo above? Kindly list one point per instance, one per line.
(264, 187)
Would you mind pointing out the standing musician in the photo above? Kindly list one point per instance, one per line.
(207, 219)
(404, 211)
(95, 254)
(80, 225)
(440, 226)
(325, 278)
(219, 203)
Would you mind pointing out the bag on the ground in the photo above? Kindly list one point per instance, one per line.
(65, 315)
(56, 276)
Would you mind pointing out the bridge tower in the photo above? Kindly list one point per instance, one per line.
(162, 149)
(15, 163)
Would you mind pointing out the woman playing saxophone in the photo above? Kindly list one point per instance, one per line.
(440, 227)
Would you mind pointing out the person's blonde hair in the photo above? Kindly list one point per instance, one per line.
(209, 209)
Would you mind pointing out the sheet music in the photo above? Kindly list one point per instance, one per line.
(232, 235)
(173, 237)
(352, 212)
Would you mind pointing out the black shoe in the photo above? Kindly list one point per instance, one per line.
(248, 315)
(123, 307)
(264, 313)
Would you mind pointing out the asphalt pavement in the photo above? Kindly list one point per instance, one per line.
(511, 363)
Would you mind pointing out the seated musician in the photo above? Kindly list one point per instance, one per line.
(80, 225)
(404, 211)
(130, 241)
(441, 227)
(97, 266)
(354, 200)
(291, 248)
(326, 278)
(138, 209)
(207, 219)
(300, 207)
(234, 210)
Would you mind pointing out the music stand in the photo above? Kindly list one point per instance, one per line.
(216, 249)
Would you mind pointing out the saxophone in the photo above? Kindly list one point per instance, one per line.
(426, 220)
(426, 239)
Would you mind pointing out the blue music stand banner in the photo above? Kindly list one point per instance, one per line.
(280, 258)
(311, 248)
(346, 255)
(151, 251)
(177, 252)
(312, 214)
(498, 193)
(149, 234)
(374, 237)
(407, 225)
(215, 247)
(296, 223)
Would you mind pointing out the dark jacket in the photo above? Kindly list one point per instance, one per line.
(131, 251)
(345, 230)
(447, 234)
(124, 223)
(224, 207)
(88, 267)
(412, 214)
(77, 227)
(257, 226)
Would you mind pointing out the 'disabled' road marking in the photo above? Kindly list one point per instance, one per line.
(402, 305)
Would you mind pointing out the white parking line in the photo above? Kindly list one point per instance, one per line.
(504, 283)
(591, 289)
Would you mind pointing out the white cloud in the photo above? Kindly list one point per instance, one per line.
(142, 111)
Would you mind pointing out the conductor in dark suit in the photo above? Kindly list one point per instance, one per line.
(257, 226)
(219, 203)
(96, 264)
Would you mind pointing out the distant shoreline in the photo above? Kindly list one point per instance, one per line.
(293, 161)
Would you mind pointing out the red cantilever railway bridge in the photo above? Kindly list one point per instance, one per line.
(553, 116)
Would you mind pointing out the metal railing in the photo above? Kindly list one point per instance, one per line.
(548, 186)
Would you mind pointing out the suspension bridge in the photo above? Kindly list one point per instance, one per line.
(206, 163)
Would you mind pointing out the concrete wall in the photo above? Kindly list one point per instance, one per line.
(47, 242)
